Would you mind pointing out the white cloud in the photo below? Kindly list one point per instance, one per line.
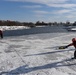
(60, 12)
(40, 12)
(33, 6)
(40, 1)
(45, 1)
(51, 3)
(70, 16)
(68, 9)
(62, 5)
(39, 15)
(63, 11)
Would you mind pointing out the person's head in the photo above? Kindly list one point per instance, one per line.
(74, 39)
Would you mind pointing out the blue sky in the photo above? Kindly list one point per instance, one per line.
(38, 10)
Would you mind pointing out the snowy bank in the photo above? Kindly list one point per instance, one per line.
(3, 28)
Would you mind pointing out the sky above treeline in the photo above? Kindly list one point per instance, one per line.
(38, 10)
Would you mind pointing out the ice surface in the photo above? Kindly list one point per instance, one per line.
(37, 54)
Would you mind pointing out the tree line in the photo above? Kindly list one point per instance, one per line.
(31, 24)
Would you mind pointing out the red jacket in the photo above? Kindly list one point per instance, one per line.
(73, 44)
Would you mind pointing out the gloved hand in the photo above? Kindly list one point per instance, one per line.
(65, 46)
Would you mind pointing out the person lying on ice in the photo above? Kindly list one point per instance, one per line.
(1, 34)
(72, 44)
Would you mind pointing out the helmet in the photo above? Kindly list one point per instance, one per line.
(74, 39)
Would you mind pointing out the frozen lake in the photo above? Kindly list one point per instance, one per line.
(35, 30)
(37, 54)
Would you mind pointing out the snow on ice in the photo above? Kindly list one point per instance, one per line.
(37, 54)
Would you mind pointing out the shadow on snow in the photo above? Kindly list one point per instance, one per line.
(25, 69)
(48, 52)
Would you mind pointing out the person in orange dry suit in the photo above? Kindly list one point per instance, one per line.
(73, 44)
